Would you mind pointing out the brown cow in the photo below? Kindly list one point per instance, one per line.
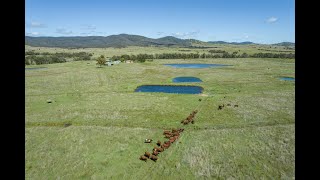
(147, 154)
(154, 158)
(185, 122)
(143, 158)
(176, 134)
(157, 149)
(220, 107)
(174, 130)
(159, 143)
(165, 146)
(155, 153)
(167, 136)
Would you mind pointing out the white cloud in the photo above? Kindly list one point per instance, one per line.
(90, 27)
(188, 35)
(34, 24)
(272, 20)
(63, 31)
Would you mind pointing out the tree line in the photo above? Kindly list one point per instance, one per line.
(32, 57)
(49, 58)
(274, 50)
(218, 54)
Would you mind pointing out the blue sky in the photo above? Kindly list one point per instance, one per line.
(260, 21)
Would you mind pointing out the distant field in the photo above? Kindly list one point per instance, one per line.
(255, 140)
(109, 52)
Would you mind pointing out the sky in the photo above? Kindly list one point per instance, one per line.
(259, 21)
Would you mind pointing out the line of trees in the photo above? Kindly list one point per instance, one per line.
(217, 51)
(221, 54)
(138, 58)
(32, 57)
(49, 58)
(274, 50)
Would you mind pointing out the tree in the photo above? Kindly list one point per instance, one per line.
(244, 55)
(101, 60)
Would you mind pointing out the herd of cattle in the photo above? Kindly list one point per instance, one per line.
(172, 136)
(190, 118)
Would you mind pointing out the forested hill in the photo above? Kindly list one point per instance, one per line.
(121, 40)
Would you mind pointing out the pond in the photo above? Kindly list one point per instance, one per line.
(287, 78)
(35, 68)
(186, 79)
(196, 65)
(178, 89)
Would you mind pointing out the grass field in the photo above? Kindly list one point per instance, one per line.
(255, 140)
(109, 52)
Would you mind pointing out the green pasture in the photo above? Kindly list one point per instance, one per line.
(255, 140)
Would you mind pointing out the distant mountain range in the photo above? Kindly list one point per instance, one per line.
(121, 40)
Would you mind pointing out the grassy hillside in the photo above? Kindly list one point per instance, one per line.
(110, 121)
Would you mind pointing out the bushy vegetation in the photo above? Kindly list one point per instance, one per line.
(272, 55)
(101, 60)
(50, 59)
(32, 57)
(217, 51)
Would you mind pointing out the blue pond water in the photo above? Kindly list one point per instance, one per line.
(35, 68)
(287, 78)
(186, 79)
(196, 65)
(170, 89)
